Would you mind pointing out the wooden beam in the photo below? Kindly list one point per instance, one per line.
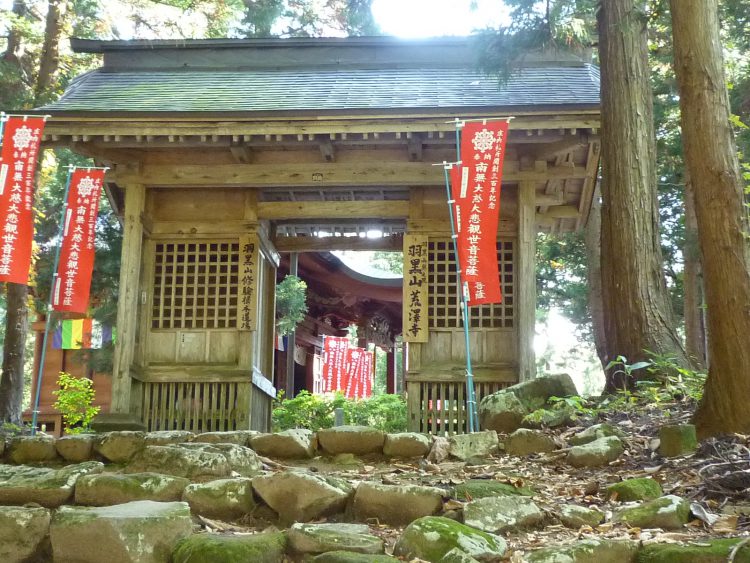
(589, 184)
(560, 212)
(279, 210)
(327, 244)
(384, 173)
(327, 151)
(525, 282)
(415, 145)
(548, 151)
(128, 304)
(241, 152)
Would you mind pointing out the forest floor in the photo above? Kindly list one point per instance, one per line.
(715, 480)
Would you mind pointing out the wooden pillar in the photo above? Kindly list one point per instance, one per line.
(292, 338)
(526, 280)
(390, 370)
(127, 307)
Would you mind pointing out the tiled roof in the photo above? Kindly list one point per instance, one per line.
(287, 89)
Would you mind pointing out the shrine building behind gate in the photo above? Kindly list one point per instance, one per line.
(227, 153)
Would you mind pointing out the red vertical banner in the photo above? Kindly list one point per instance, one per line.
(476, 192)
(18, 159)
(355, 358)
(73, 280)
(368, 374)
(334, 363)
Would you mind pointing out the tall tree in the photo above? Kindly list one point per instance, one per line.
(633, 289)
(721, 213)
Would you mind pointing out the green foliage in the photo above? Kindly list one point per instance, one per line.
(291, 305)
(391, 262)
(74, 401)
(385, 412)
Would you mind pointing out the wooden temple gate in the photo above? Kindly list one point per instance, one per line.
(225, 153)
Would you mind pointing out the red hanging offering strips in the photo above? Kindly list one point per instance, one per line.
(354, 361)
(367, 374)
(73, 280)
(476, 192)
(18, 158)
(334, 363)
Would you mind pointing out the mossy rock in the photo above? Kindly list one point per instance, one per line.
(574, 516)
(669, 513)
(701, 551)
(482, 488)
(431, 537)
(351, 557)
(588, 551)
(595, 432)
(209, 548)
(636, 489)
(677, 439)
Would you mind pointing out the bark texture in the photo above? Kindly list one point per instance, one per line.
(50, 57)
(638, 313)
(11, 381)
(593, 241)
(695, 335)
(711, 157)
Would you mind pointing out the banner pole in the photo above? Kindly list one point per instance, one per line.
(48, 324)
(470, 398)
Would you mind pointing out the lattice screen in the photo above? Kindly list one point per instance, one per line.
(195, 285)
(443, 303)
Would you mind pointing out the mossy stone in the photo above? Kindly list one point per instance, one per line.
(594, 433)
(209, 548)
(669, 513)
(702, 551)
(482, 488)
(588, 551)
(351, 557)
(677, 439)
(636, 489)
(574, 516)
(432, 537)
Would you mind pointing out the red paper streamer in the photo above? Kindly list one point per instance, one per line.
(18, 158)
(334, 363)
(73, 280)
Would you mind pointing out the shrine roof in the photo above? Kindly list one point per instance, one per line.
(316, 76)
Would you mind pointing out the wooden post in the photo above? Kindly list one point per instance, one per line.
(292, 339)
(127, 307)
(390, 370)
(526, 281)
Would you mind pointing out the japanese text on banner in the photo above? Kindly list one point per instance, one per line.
(73, 280)
(476, 192)
(18, 158)
(334, 363)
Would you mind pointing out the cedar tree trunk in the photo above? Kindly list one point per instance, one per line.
(50, 57)
(11, 381)
(638, 313)
(695, 336)
(593, 242)
(711, 157)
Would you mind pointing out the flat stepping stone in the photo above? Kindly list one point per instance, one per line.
(406, 445)
(223, 499)
(135, 532)
(211, 548)
(166, 437)
(635, 489)
(238, 437)
(500, 514)
(358, 440)
(396, 504)
(23, 532)
(597, 453)
(703, 551)
(21, 484)
(524, 442)
(351, 557)
(320, 538)
(196, 461)
(574, 516)
(76, 448)
(120, 446)
(668, 513)
(32, 449)
(290, 444)
(301, 496)
(594, 550)
(432, 537)
(106, 489)
(478, 444)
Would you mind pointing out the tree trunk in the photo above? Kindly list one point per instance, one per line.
(711, 157)
(14, 48)
(593, 258)
(638, 312)
(695, 342)
(16, 325)
(50, 57)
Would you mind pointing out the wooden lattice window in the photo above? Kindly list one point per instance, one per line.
(195, 285)
(444, 310)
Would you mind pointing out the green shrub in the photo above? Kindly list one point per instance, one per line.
(385, 412)
(74, 401)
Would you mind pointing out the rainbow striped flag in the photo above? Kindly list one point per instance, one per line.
(77, 334)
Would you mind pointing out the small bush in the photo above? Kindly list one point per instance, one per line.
(74, 400)
(385, 412)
